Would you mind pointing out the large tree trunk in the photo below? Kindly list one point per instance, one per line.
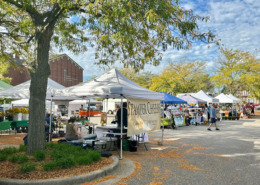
(39, 71)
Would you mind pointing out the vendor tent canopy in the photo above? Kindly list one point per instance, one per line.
(224, 99)
(4, 85)
(111, 85)
(25, 102)
(172, 99)
(191, 99)
(203, 96)
(22, 91)
(234, 98)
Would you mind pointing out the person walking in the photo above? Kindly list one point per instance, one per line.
(213, 117)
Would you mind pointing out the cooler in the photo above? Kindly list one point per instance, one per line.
(111, 142)
(77, 142)
(90, 137)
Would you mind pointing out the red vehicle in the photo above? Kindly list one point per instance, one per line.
(251, 105)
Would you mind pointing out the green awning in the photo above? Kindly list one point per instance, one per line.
(4, 85)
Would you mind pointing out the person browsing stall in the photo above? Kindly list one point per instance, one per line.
(118, 114)
(72, 131)
(213, 117)
(47, 119)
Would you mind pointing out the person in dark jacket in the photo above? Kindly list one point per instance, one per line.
(118, 114)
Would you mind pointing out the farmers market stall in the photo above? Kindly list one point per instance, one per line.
(175, 114)
(114, 85)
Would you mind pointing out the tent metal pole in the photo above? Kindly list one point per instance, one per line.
(4, 108)
(89, 110)
(107, 110)
(121, 139)
(50, 120)
(163, 122)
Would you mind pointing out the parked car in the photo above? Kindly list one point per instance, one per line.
(63, 109)
(251, 105)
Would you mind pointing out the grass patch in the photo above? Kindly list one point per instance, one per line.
(22, 158)
(50, 166)
(9, 150)
(67, 162)
(39, 155)
(22, 148)
(27, 167)
(3, 157)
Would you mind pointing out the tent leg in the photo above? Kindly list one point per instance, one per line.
(89, 110)
(107, 111)
(50, 121)
(4, 108)
(163, 122)
(121, 138)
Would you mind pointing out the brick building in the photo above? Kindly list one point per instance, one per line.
(64, 70)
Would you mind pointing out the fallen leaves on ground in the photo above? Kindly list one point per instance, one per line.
(190, 167)
(100, 180)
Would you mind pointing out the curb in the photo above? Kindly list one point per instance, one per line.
(68, 180)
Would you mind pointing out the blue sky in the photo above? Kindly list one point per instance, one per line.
(235, 22)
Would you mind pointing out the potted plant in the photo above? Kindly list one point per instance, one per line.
(233, 118)
(2, 115)
(11, 114)
(223, 118)
(218, 119)
(17, 114)
(229, 118)
(25, 113)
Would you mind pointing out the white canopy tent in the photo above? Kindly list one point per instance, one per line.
(224, 99)
(236, 100)
(25, 102)
(203, 96)
(111, 85)
(22, 91)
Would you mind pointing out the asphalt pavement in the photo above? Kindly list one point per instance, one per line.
(193, 155)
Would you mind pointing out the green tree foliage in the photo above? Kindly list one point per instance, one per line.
(237, 71)
(142, 78)
(128, 31)
(182, 77)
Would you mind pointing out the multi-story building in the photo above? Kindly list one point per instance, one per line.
(245, 96)
(64, 70)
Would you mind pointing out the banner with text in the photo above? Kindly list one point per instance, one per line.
(143, 116)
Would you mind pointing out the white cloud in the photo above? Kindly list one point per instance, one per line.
(235, 22)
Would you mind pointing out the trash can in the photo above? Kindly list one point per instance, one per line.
(132, 146)
(126, 144)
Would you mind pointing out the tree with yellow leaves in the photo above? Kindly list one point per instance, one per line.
(237, 71)
(182, 77)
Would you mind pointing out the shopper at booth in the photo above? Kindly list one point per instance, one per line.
(213, 117)
(47, 120)
(118, 114)
(72, 131)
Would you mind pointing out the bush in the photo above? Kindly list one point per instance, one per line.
(9, 150)
(39, 155)
(49, 145)
(84, 160)
(67, 162)
(50, 166)
(19, 158)
(22, 148)
(3, 157)
(27, 167)
(95, 155)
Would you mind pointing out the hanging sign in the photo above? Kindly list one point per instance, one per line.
(143, 116)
